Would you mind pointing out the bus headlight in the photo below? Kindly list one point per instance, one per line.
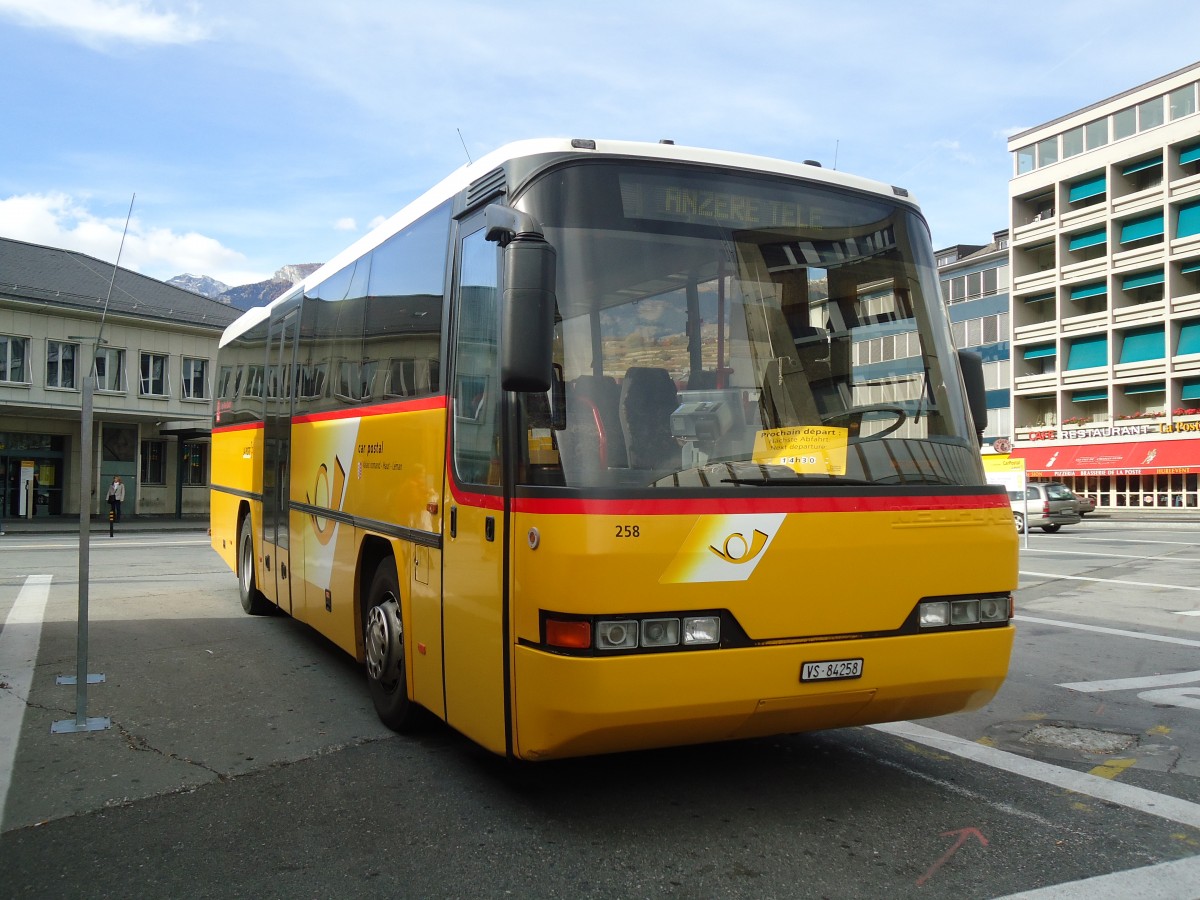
(621, 634)
(935, 614)
(660, 632)
(964, 611)
(701, 630)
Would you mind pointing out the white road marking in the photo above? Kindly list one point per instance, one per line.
(1165, 881)
(1152, 803)
(1150, 584)
(1115, 632)
(1111, 555)
(96, 543)
(1132, 684)
(19, 643)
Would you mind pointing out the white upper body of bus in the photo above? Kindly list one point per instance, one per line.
(467, 174)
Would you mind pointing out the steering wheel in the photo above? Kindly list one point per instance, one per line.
(854, 419)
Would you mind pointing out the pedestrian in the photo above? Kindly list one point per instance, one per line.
(116, 495)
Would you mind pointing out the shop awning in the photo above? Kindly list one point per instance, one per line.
(1135, 458)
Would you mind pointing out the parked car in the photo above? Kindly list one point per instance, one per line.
(1087, 502)
(1046, 505)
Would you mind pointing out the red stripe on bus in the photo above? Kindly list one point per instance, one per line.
(382, 409)
(758, 504)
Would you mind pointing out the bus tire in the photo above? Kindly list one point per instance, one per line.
(253, 600)
(383, 643)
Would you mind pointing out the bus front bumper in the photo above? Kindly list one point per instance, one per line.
(571, 706)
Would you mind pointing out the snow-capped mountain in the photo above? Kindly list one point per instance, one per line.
(246, 296)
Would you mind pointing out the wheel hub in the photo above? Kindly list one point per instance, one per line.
(385, 642)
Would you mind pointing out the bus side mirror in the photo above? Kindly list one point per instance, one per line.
(527, 302)
(971, 365)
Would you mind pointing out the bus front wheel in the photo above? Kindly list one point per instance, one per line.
(383, 639)
(252, 598)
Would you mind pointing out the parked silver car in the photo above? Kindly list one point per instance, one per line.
(1046, 505)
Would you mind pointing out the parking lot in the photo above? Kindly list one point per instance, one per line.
(244, 758)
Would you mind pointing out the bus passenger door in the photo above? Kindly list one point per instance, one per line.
(277, 426)
(474, 614)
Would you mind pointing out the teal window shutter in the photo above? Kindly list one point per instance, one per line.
(1189, 338)
(1189, 268)
(1154, 387)
(1090, 187)
(1143, 344)
(1191, 390)
(1089, 396)
(1143, 165)
(1091, 352)
(1189, 154)
(1189, 220)
(1142, 279)
(1089, 290)
(1040, 352)
(1042, 298)
(1087, 239)
(1142, 227)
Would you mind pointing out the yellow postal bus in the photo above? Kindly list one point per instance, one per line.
(600, 446)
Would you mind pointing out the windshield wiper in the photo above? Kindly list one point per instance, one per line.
(795, 478)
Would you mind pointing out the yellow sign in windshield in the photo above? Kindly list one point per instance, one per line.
(808, 449)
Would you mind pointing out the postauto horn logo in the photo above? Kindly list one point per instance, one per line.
(723, 548)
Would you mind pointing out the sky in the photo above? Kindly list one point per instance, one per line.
(240, 136)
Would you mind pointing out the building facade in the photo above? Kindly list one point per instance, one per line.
(155, 350)
(1105, 296)
(975, 289)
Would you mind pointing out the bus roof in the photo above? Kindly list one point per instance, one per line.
(464, 176)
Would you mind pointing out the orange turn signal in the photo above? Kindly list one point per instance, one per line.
(573, 634)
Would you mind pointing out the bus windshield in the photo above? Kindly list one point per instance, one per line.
(721, 331)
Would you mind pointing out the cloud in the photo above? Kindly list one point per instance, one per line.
(95, 22)
(346, 223)
(59, 220)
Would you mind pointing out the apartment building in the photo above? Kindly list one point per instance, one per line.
(1105, 296)
(154, 366)
(974, 281)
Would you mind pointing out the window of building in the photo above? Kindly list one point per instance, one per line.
(154, 462)
(1047, 151)
(1143, 344)
(195, 464)
(1087, 191)
(1189, 158)
(195, 379)
(1072, 143)
(1187, 222)
(153, 375)
(1025, 160)
(1096, 133)
(1088, 352)
(1182, 102)
(1142, 229)
(14, 359)
(1124, 123)
(989, 281)
(1144, 174)
(1150, 114)
(110, 369)
(60, 364)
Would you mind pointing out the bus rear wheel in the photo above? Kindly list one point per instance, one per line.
(383, 641)
(253, 600)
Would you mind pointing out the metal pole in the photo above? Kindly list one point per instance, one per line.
(81, 678)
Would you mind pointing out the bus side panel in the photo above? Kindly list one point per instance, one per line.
(383, 469)
(474, 627)
(236, 464)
